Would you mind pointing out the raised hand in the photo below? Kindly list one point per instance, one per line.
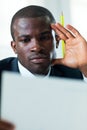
(75, 47)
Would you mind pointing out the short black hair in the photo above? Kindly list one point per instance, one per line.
(31, 11)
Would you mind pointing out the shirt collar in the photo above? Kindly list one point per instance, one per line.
(26, 73)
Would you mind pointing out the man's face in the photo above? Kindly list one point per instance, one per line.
(33, 43)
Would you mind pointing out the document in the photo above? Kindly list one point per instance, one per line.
(44, 103)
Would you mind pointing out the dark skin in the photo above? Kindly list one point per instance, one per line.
(34, 44)
(4, 125)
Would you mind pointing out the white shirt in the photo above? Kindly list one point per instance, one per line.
(85, 78)
(26, 73)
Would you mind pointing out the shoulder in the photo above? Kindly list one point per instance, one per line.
(7, 60)
(66, 72)
(8, 63)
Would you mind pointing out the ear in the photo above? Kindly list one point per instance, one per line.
(13, 45)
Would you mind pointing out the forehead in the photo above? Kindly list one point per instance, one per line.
(38, 23)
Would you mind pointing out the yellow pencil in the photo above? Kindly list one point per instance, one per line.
(63, 43)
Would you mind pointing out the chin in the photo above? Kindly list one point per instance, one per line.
(40, 69)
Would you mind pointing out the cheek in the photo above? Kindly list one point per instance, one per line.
(51, 46)
(21, 51)
(23, 56)
(50, 49)
(21, 48)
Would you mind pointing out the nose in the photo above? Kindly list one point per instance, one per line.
(36, 46)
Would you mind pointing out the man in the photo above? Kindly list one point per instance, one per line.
(34, 45)
(31, 30)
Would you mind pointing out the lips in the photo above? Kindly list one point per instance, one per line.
(38, 59)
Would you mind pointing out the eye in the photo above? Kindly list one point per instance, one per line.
(45, 37)
(25, 40)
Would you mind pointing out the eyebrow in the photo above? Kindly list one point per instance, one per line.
(42, 33)
(23, 36)
(46, 32)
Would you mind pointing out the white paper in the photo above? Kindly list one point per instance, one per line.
(44, 104)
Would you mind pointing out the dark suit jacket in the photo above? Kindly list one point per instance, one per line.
(11, 64)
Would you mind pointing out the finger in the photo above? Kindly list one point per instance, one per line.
(58, 31)
(66, 32)
(4, 125)
(73, 30)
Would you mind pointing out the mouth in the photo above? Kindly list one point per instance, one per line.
(38, 59)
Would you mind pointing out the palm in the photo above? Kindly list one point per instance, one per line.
(75, 48)
(75, 54)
